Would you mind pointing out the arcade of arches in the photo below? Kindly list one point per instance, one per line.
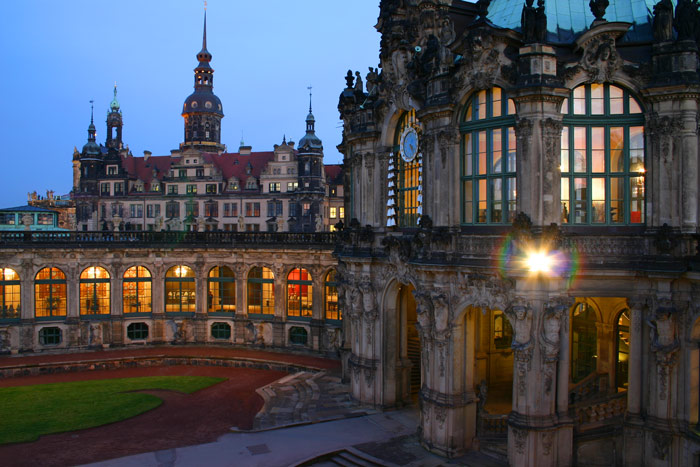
(279, 298)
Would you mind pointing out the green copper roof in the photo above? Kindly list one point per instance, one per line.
(568, 19)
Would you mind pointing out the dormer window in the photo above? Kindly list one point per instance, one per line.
(111, 170)
(251, 184)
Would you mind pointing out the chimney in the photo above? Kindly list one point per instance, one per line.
(146, 155)
(244, 150)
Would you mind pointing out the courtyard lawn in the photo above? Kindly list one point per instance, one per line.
(27, 412)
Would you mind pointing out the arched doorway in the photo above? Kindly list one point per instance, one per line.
(622, 350)
(410, 340)
(402, 347)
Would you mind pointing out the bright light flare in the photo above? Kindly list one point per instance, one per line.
(539, 262)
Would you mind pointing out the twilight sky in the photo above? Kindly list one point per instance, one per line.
(59, 55)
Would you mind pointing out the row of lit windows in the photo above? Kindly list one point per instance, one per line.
(602, 159)
(50, 287)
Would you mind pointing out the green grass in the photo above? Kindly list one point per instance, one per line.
(27, 412)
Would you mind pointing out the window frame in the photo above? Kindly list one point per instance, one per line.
(190, 306)
(482, 116)
(593, 123)
(253, 283)
(300, 297)
(140, 293)
(54, 287)
(8, 281)
(96, 303)
(220, 279)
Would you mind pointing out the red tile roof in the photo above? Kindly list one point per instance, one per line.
(333, 173)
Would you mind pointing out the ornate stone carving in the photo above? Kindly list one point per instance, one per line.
(661, 444)
(547, 439)
(523, 133)
(664, 341)
(521, 316)
(601, 59)
(520, 438)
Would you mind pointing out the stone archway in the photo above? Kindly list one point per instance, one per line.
(402, 346)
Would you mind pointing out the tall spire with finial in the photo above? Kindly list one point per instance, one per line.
(202, 109)
(92, 132)
(310, 138)
(309, 88)
(114, 105)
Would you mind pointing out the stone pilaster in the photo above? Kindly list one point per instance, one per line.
(539, 429)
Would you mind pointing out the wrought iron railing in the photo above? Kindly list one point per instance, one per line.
(146, 239)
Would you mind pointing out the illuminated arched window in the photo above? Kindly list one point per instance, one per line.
(9, 294)
(584, 342)
(299, 293)
(405, 170)
(261, 291)
(330, 297)
(221, 295)
(502, 330)
(50, 293)
(602, 157)
(94, 291)
(137, 290)
(488, 159)
(622, 349)
(180, 290)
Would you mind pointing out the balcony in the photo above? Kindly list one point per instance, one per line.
(170, 239)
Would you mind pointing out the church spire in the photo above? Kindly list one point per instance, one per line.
(202, 110)
(92, 131)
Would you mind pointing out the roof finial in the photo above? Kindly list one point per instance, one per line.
(309, 88)
(204, 39)
(284, 139)
(91, 112)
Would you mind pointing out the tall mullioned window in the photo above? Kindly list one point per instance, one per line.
(261, 291)
(221, 296)
(137, 290)
(50, 293)
(94, 291)
(9, 294)
(330, 296)
(299, 293)
(180, 290)
(602, 157)
(488, 159)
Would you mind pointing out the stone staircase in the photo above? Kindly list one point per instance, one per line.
(346, 458)
(305, 397)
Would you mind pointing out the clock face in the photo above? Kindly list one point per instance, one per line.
(409, 144)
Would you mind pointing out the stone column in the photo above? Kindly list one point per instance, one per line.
(689, 162)
(448, 401)
(537, 435)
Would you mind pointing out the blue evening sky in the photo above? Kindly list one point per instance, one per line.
(59, 55)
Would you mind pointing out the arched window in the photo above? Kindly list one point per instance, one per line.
(94, 291)
(50, 293)
(405, 170)
(137, 290)
(261, 291)
(180, 290)
(584, 342)
(221, 295)
(622, 350)
(502, 330)
(602, 157)
(488, 159)
(299, 293)
(9, 294)
(330, 297)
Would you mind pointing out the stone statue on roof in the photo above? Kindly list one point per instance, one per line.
(663, 21)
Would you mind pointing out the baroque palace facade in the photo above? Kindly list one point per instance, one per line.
(199, 246)
(522, 257)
